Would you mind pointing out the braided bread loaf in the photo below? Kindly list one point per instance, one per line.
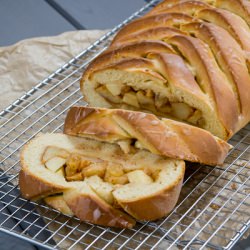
(186, 60)
(114, 166)
(146, 131)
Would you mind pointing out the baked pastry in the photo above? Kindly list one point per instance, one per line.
(145, 131)
(185, 60)
(97, 181)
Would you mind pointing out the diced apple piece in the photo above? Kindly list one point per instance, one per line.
(131, 99)
(121, 180)
(162, 104)
(126, 89)
(139, 145)
(149, 93)
(103, 189)
(155, 174)
(125, 145)
(55, 163)
(114, 88)
(144, 100)
(94, 169)
(52, 151)
(75, 163)
(181, 110)
(165, 109)
(115, 169)
(57, 202)
(139, 176)
(61, 172)
(75, 177)
(103, 91)
(195, 117)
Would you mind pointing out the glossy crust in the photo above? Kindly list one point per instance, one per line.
(189, 7)
(154, 21)
(28, 178)
(40, 187)
(235, 25)
(210, 75)
(165, 137)
(93, 209)
(230, 58)
(129, 50)
(239, 7)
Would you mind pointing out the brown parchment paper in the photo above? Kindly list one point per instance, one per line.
(26, 63)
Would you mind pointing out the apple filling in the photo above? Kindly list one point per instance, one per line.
(102, 176)
(157, 103)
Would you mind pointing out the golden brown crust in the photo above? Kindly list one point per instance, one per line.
(173, 68)
(166, 137)
(132, 64)
(40, 188)
(239, 7)
(211, 78)
(156, 33)
(230, 58)
(106, 129)
(90, 209)
(217, 63)
(189, 7)
(168, 19)
(178, 140)
(209, 147)
(234, 24)
(130, 50)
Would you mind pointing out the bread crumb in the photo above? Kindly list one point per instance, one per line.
(215, 206)
(234, 186)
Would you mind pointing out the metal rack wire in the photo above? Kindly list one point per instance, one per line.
(213, 210)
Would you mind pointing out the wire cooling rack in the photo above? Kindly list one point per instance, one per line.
(213, 210)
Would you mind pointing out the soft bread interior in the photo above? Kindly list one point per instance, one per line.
(90, 171)
(139, 190)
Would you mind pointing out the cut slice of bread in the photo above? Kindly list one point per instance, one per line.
(160, 136)
(91, 183)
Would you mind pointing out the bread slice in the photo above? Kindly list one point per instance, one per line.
(160, 136)
(90, 184)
